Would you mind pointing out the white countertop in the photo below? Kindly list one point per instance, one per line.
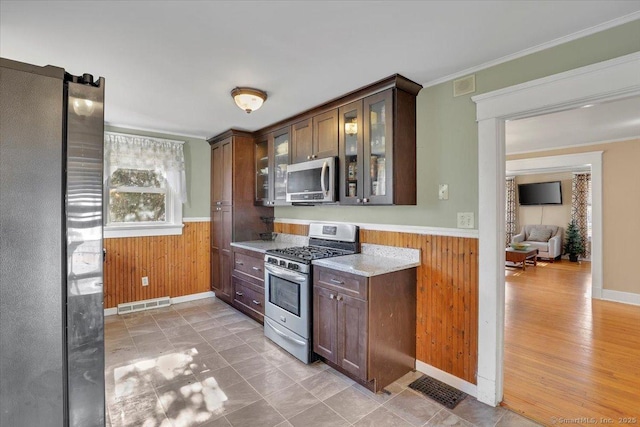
(282, 241)
(366, 265)
(260, 245)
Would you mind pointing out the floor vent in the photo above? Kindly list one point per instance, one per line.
(149, 304)
(438, 391)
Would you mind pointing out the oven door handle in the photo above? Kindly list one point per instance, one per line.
(282, 334)
(284, 273)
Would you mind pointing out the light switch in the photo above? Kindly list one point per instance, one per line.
(465, 219)
(443, 192)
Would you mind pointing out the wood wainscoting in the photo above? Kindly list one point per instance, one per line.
(175, 265)
(447, 296)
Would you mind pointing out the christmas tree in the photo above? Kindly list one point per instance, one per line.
(573, 245)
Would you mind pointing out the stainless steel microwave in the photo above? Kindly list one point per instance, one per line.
(312, 182)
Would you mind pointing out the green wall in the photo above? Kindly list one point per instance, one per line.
(447, 135)
(197, 167)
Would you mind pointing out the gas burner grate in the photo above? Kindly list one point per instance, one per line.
(438, 391)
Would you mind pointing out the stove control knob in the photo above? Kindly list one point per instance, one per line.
(283, 263)
(293, 266)
(272, 260)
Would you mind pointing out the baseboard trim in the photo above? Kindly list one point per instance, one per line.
(185, 298)
(110, 311)
(618, 296)
(192, 297)
(447, 378)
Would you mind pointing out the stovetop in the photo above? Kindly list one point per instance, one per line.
(307, 254)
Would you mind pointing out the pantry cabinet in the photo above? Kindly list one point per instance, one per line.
(234, 216)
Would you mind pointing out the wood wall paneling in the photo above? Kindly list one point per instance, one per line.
(175, 265)
(447, 296)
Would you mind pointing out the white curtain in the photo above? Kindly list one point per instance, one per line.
(510, 209)
(163, 156)
(580, 203)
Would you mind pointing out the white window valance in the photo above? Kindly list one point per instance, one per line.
(123, 151)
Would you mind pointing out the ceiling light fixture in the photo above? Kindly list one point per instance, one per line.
(248, 99)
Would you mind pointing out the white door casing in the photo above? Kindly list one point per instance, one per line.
(604, 81)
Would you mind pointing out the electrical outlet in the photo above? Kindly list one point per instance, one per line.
(145, 281)
(443, 192)
(465, 219)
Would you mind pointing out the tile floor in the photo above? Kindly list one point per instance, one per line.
(202, 363)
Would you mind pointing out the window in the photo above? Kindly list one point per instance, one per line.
(144, 186)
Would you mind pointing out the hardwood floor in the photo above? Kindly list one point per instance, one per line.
(568, 358)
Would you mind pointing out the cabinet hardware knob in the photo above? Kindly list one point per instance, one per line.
(358, 200)
(239, 293)
(339, 282)
(365, 200)
(308, 157)
(239, 263)
(218, 203)
(339, 297)
(256, 302)
(331, 296)
(257, 268)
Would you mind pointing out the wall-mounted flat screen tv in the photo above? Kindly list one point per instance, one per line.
(540, 193)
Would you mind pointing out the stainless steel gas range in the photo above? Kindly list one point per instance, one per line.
(288, 285)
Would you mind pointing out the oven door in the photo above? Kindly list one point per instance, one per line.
(287, 299)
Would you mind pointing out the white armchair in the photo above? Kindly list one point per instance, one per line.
(546, 238)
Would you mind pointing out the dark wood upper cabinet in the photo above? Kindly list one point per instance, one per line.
(325, 135)
(373, 132)
(378, 150)
(301, 141)
(272, 159)
(315, 137)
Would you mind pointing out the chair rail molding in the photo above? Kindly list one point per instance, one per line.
(604, 81)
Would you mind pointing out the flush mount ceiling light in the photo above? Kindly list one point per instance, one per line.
(248, 99)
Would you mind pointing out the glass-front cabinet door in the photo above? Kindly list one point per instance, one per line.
(280, 162)
(378, 150)
(262, 171)
(351, 153)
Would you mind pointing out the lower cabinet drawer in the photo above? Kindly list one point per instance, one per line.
(248, 265)
(349, 284)
(248, 296)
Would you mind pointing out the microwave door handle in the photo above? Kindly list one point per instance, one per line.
(322, 175)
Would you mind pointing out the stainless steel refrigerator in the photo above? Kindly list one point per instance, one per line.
(51, 304)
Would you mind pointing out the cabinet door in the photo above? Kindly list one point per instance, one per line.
(325, 327)
(301, 141)
(352, 335)
(325, 135)
(378, 149)
(216, 244)
(280, 150)
(226, 255)
(351, 153)
(227, 171)
(263, 171)
(216, 174)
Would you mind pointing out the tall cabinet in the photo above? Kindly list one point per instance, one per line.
(234, 216)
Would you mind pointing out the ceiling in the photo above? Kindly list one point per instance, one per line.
(170, 65)
(604, 122)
